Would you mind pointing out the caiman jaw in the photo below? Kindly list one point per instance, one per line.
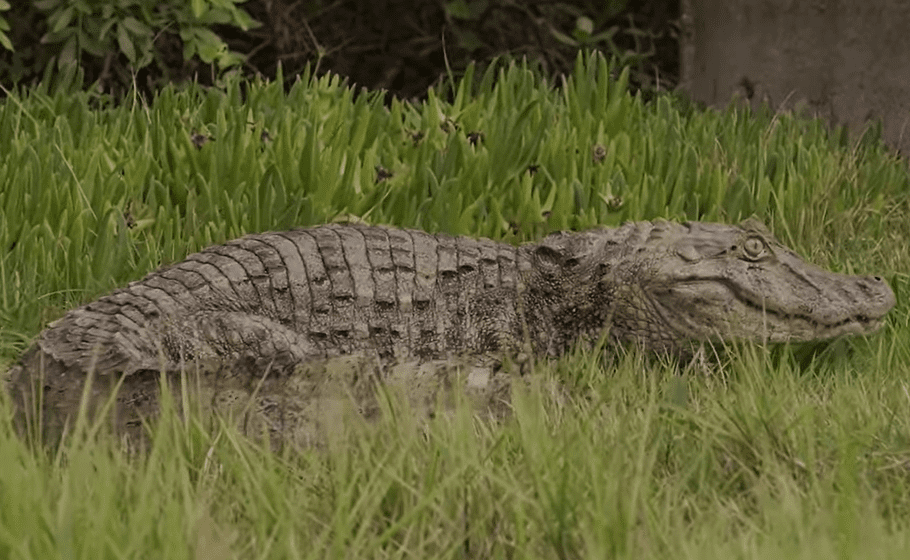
(721, 308)
(717, 309)
(864, 322)
(734, 283)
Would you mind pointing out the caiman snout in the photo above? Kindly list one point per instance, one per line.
(876, 299)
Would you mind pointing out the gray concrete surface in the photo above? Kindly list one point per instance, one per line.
(847, 61)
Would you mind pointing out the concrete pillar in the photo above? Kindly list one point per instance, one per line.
(847, 61)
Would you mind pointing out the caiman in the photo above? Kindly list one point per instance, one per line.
(261, 319)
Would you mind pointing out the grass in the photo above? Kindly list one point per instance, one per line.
(785, 452)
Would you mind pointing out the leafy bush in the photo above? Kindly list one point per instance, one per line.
(105, 30)
(4, 27)
(404, 46)
(559, 28)
(401, 46)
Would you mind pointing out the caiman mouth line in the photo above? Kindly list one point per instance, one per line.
(748, 299)
(856, 319)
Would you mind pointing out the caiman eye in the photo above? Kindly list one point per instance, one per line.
(754, 248)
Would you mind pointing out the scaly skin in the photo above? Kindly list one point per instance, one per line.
(279, 304)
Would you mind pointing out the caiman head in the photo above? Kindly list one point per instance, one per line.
(714, 282)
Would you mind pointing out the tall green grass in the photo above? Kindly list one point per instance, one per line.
(801, 452)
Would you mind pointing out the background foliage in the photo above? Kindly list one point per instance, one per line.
(402, 46)
(111, 40)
